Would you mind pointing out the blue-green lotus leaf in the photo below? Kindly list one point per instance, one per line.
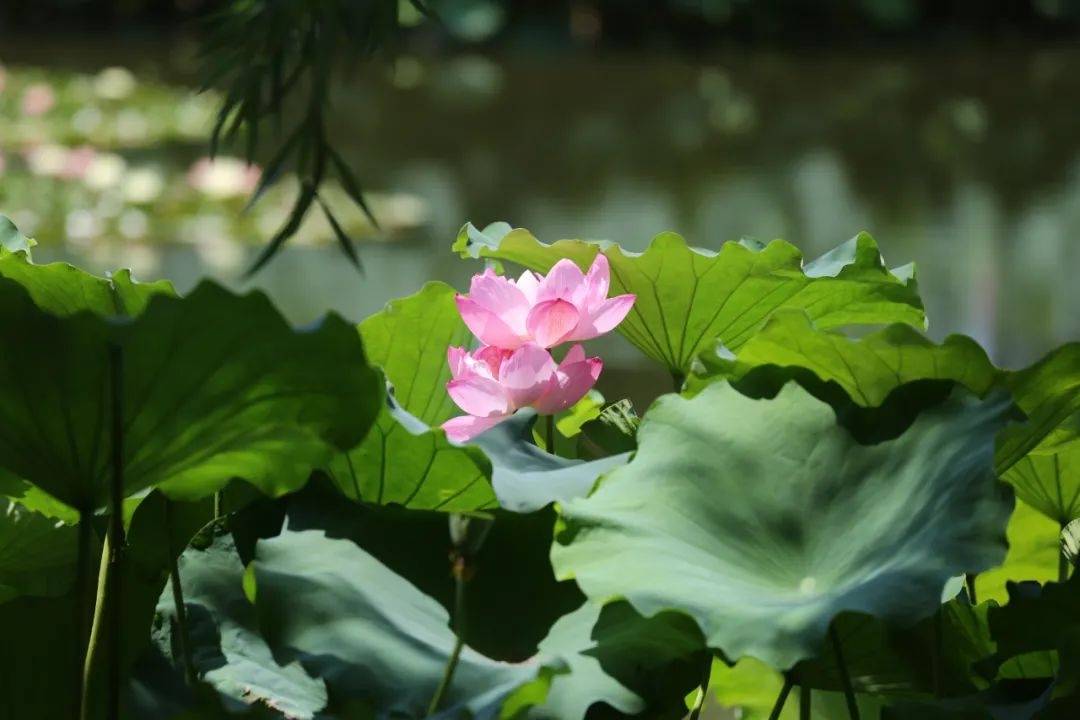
(525, 477)
(763, 519)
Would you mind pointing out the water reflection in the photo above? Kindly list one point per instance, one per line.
(967, 164)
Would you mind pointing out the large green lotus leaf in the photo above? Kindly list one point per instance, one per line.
(408, 340)
(629, 664)
(215, 386)
(407, 462)
(1033, 554)
(868, 370)
(526, 478)
(37, 553)
(513, 597)
(939, 654)
(227, 649)
(64, 290)
(1036, 618)
(369, 633)
(1048, 479)
(1049, 393)
(405, 459)
(625, 661)
(687, 298)
(763, 519)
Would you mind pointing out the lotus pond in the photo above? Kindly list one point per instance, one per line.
(558, 479)
(211, 513)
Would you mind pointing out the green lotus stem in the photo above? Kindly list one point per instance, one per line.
(969, 582)
(805, 701)
(1063, 561)
(218, 503)
(82, 592)
(459, 642)
(845, 678)
(117, 541)
(550, 443)
(703, 689)
(178, 600)
(94, 646)
(677, 380)
(781, 699)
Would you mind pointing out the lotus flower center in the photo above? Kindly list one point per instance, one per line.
(807, 586)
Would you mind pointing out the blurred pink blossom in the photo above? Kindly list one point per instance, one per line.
(77, 162)
(492, 383)
(38, 99)
(566, 305)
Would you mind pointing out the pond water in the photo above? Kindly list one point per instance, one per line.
(966, 163)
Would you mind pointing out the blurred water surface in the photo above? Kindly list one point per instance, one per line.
(967, 163)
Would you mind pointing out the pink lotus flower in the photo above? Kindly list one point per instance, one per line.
(564, 306)
(492, 383)
(38, 99)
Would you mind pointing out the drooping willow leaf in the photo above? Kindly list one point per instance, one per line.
(215, 386)
(763, 549)
(687, 299)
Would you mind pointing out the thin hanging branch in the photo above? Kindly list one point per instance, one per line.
(270, 58)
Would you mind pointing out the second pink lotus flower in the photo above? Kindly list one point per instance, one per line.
(491, 384)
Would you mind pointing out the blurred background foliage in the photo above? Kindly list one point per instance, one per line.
(944, 127)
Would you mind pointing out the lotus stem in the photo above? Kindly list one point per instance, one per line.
(845, 678)
(178, 600)
(677, 380)
(969, 582)
(83, 600)
(806, 697)
(460, 566)
(781, 699)
(116, 530)
(550, 440)
(703, 689)
(218, 503)
(94, 645)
